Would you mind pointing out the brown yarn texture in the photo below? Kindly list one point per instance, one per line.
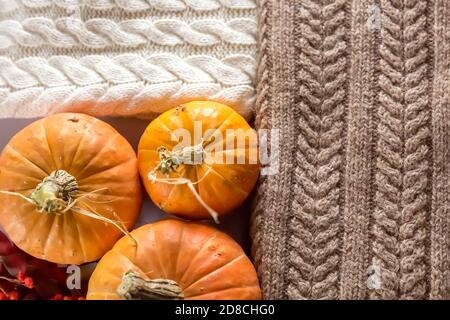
(360, 91)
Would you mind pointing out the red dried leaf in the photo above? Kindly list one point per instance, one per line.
(6, 246)
(40, 279)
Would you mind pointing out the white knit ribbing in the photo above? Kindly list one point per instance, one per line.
(103, 33)
(129, 80)
(69, 55)
(132, 5)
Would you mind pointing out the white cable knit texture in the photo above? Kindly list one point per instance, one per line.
(103, 33)
(123, 85)
(122, 65)
(132, 5)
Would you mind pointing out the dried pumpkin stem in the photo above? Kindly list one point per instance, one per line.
(104, 219)
(11, 193)
(71, 204)
(58, 193)
(55, 192)
(169, 162)
(134, 287)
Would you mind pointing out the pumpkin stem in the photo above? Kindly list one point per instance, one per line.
(169, 162)
(58, 192)
(55, 192)
(134, 287)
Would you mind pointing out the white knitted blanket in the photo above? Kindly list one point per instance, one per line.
(125, 57)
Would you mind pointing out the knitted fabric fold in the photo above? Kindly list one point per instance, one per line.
(125, 58)
(360, 93)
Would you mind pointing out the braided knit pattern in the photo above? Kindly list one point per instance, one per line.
(104, 33)
(440, 212)
(360, 93)
(263, 114)
(131, 5)
(132, 58)
(401, 198)
(315, 227)
(165, 78)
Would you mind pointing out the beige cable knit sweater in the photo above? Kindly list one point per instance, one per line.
(360, 91)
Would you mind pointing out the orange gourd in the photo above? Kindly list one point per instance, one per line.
(54, 174)
(219, 185)
(172, 259)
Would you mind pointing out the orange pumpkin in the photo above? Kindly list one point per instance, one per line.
(171, 259)
(223, 159)
(55, 168)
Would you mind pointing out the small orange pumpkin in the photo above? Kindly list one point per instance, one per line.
(55, 168)
(172, 259)
(206, 128)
